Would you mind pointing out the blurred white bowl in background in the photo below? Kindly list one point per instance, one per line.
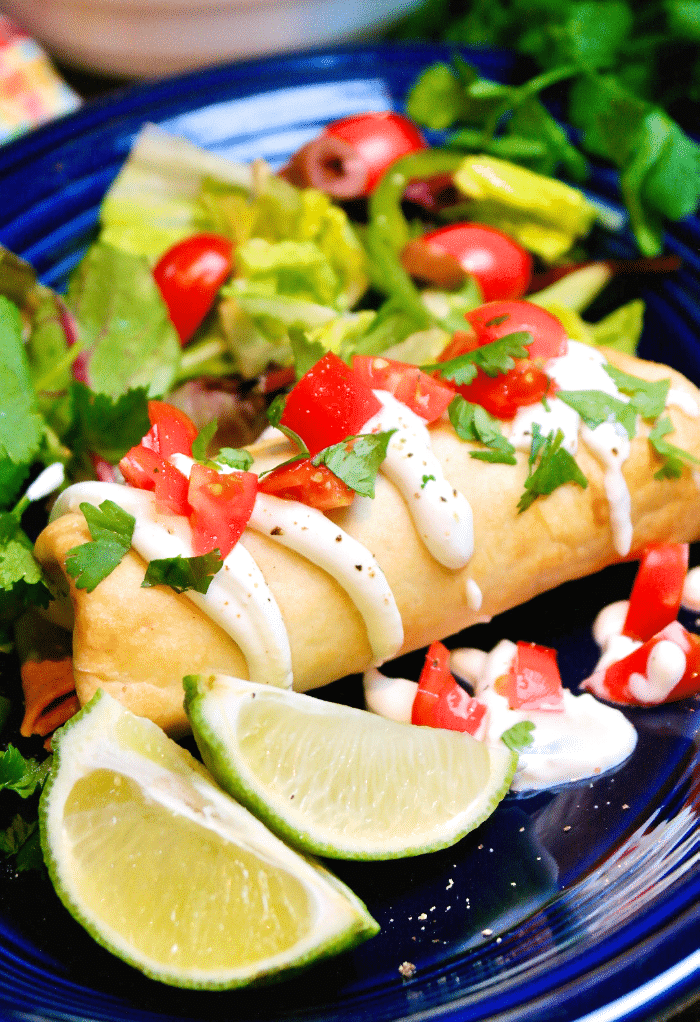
(155, 38)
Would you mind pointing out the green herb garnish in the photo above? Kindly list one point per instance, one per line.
(555, 467)
(111, 528)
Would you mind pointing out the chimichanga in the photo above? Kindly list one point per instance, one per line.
(137, 643)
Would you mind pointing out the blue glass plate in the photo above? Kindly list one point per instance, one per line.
(578, 904)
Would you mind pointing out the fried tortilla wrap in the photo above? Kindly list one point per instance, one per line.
(138, 643)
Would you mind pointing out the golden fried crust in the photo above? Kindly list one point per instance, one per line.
(139, 643)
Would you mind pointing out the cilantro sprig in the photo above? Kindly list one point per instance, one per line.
(111, 528)
(473, 423)
(183, 573)
(550, 466)
(675, 459)
(494, 358)
(520, 736)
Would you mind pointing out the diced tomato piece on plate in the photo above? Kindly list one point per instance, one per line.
(657, 590)
(534, 682)
(638, 681)
(440, 701)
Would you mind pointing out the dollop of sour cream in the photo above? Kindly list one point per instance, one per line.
(584, 739)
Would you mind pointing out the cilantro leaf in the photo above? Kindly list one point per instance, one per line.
(493, 358)
(21, 425)
(647, 396)
(555, 467)
(596, 407)
(519, 736)
(23, 776)
(111, 529)
(183, 573)
(201, 442)
(356, 460)
(21, 840)
(107, 426)
(472, 422)
(674, 458)
(21, 579)
(235, 458)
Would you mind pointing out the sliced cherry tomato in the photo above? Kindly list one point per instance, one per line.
(143, 468)
(172, 431)
(189, 276)
(328, 404)
(501, 267)
(657, 590)
(421, 393)
(534, 682)
(222, 504)
(440, 701)
(314, 485)
(379, 139)
(496, 319)
(638, 680)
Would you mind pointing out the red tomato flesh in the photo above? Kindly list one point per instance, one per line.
(501, 267)
(504, 394)
(534, 682)
(222, 504)
(440, 701)
(496, 319)
(143, 468)
(313, 485)
(657, 590)
(421, 393)
(171, 432)
(379, 139)
(189, 276)
(328, 404)
(618, 675)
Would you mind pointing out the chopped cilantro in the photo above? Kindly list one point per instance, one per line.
(183, 573)
(234, 458)
(555, 467)
(596, 407)
(356, 460)
(494, 358)
(111, 529)
(472, 422)
(425, 480)
(107, 426)
(23, 776)
(519, 736)
(647, 396)
(674, 458)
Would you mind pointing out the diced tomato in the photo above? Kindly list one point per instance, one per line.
(314, 485)
(328, 404)
(615, 685)
(421, 393)
(146, 470)
(440, 701)
(534, 682)
(379, 139)
(222, 504)
(500, 265)
(172, 431)
(657, 590)
(189, 276)
(496, 319)
(504, 394)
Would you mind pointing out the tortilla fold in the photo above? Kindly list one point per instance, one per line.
(138, 643)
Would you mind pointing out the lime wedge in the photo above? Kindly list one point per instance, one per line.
(169, 873)
(342, 782)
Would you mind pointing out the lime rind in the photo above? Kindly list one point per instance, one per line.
(88, 739)
(214, 705)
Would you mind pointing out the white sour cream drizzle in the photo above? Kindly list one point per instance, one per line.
(238, 598)
(308, 532)
(582, 368)
(583, 740)
(441, 514)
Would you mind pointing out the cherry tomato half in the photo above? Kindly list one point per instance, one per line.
(657, 590)
(500, 266)
(313, 485)
(534, 682)
(379, 139)
(328, 404)
(421, 393)
(189, 276)
(496, 319)
(143, 468)
(440, 701)
(222, 504)
(172, 431)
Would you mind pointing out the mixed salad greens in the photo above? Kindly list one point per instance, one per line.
(308, 276)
